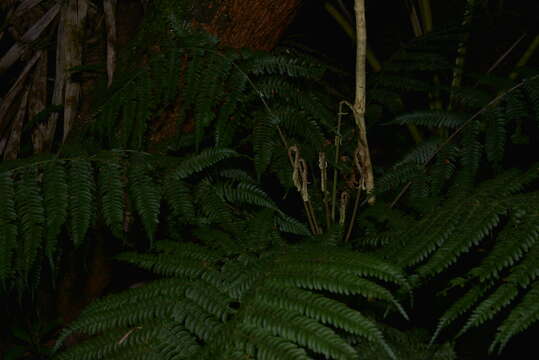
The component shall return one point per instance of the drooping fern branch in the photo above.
(46, 199)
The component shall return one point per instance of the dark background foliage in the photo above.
(182, 145)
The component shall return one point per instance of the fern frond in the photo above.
(478, 219)
(55, 197)
(263, 143)
(146, 194)
(461, 306)
(212, 204)
(247, 194)
(301, 330)
(491, 306)
(178, 196)
(410, 345)
(31, 214)
(421, 153)
(269, 346)
(522, 317)
(506, 251)
(471, 154)
(111, 192)
(8, 225)
(201, 161)
(81, 199)
(431, 118)
(290, 225)
(495, 136)
(209, 92)
(282, 65)
(239, 305)
(397, 176)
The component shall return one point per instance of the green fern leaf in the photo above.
(299, 329)
(471, 154)
(145, 193)
(462, 305)
(8, 225)
(30, 211)
(111, 191)
(247, 194)
(431, 118)
(290, 225)
(55, 193)
(81, 199)
(263, 144)
(491, 306)
(495, 137)
(522, 317)
(202, 161)
(179, 197)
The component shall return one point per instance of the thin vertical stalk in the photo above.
(359, 102)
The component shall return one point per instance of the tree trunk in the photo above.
(254, 24)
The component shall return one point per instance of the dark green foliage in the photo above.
(145, 193)
(242, 278)
(44, 198)
(8, 223)
(31, 216)
(218, 88)
(111, 186)
(81, 198)
(264, 305)
(465, 221)
(410, 345)
(432, 119)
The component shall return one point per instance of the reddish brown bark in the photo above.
(255, 24)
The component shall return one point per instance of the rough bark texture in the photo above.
(255, 24)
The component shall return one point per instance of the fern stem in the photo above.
(360, 186)
(426, 15)
(340, 114)
(313, 216)
(360, 99)
(354, 214)
(526, 56)
(323, 165)
(504, 55)
(461, 53)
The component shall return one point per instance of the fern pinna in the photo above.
(221, 301)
